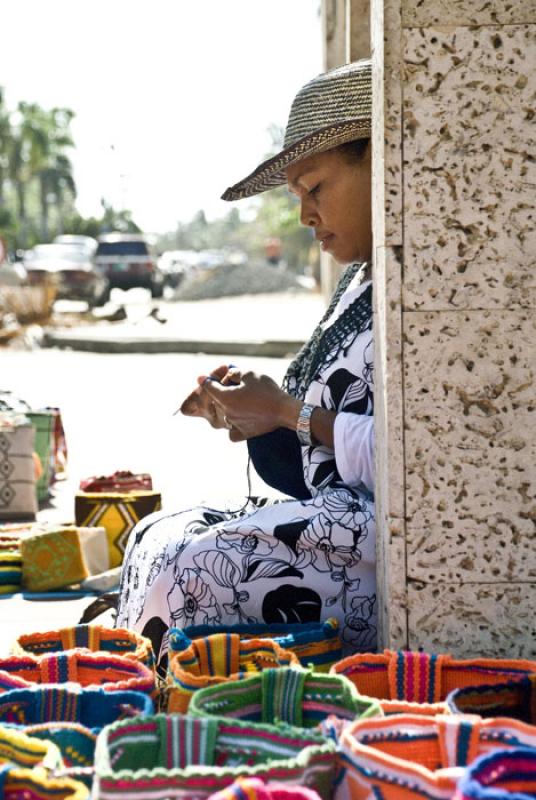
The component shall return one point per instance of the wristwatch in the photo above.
(303, 426)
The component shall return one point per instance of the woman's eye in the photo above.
(314, 190)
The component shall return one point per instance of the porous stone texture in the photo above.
(470, 445)
(469, 167)
(471, 620)
(455, 249)
(390, 499)
(425, 14)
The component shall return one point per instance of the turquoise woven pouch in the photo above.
(175, 756)
(296, 696)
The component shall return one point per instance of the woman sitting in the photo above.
(311, 556)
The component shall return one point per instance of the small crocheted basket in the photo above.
(113, 673)
(516, 699)
(424, 678)
(32, 784)
(317, 644)
(97, 638)
(503, 775)
(91, 708)
(217, 659)
(10, 570)
(296, 696)
(255, 789)
(22, 750)
(412, 757)
(178, 756)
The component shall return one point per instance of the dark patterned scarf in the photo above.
(323, 347)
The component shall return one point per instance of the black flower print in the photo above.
(331, 546)
(191, 601)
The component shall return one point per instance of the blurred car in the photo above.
(70, 269)
(128, 261)
(86, 243)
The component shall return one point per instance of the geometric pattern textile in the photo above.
(52, 559)
(255, 789)
(503, 775)
(118, 513)
(17, 473)
(34, 784)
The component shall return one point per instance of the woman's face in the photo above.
(335, 197)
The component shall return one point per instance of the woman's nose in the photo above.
(308, 215)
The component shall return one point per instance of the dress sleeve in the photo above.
(354, 449)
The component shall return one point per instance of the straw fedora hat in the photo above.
(333, 108)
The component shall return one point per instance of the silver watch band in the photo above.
(303, 426)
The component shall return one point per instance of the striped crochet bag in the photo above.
(97, 638)
(31, 784)
(424, 678)
(69, 717)
(315, 643)
(21, 750)
(255, 789)
(217, 659)
(10, 570)
(176, 756)
(296, 696)
(409, 757)
(113, 673)
(503, 775)
(516, 699)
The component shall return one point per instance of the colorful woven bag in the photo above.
(296, 696)
(503, 775)
(52, 558)
(516, 699)
(21, 750)
(315, 643)
(255, 789)
(176, 756)
(32, 784)
(89, 670)
(118, 513)
(69, 717)
(217, 659)
(97, 638)
(424, 678)
(409, 757)
(44, 425)
(10, 570)
(18, 498)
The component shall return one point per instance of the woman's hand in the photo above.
(255, 406)
(200, 404)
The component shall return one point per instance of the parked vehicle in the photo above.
(128, 261)
(86, 243)
(70, 269)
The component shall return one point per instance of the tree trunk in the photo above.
(23, 222)
(43, 195)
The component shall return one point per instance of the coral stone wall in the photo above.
(455, 252)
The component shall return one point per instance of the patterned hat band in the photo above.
(332, 109)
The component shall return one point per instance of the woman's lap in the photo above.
(290, 561)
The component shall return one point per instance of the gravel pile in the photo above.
(235, 279)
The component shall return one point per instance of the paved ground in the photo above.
(118, 414)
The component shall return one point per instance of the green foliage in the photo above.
(37, 186)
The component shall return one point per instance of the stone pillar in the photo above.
(454, 181)
(346, 37)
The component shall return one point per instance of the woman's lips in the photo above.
(325, 241)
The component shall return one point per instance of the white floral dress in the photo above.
(274, 561)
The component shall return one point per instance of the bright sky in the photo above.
(173, 98)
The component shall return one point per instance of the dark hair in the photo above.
(353, 151)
